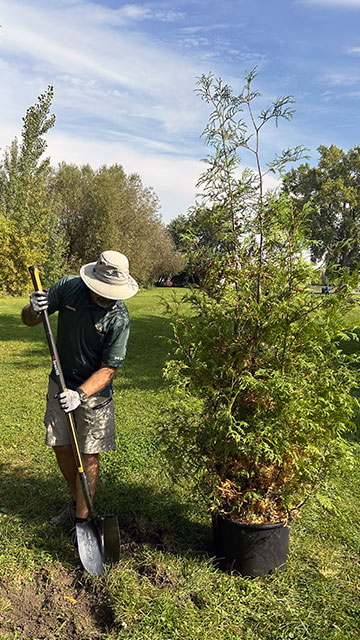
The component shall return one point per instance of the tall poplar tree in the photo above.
(28, 231)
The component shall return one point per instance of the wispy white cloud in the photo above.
(193, 29)
(124, 77)
(132, 13)
(340, 4)
(120, 94)
(207, 28)
(353, 51)
(174, 180)
(345, 78)
(77, 41)
(137, 12)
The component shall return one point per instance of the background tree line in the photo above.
(331, 192)
(60, 218)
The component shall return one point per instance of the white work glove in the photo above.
(69, 400)
(39, 301)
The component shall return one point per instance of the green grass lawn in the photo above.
(165, 586)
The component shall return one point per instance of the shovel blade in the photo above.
(98, 543)
(111, 540)
(90, 541)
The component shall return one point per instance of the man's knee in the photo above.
(63, 451)
(62, 448)
(91, 460)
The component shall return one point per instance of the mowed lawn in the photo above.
(166, 585)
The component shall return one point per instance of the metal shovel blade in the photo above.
(98, 543)
(90, 541)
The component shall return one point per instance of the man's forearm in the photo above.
(29, 316)
(100, 379)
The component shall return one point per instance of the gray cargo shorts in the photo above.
(95, 424)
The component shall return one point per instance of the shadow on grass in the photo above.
(147, 352)
(29, 342)
(155, 516)
(146, 355)
(12, 328)
(146, 516)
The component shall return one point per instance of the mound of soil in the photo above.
(55, 604)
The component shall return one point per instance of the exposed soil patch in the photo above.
(55, 604)
(63, 604)
(143, 531)
(158, 576)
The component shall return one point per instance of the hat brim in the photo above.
(110, 291)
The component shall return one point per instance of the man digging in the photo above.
(92, 335)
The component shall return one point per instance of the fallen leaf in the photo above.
(70, 599)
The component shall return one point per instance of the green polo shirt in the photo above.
(87, 334)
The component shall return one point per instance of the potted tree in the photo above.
(261, 391)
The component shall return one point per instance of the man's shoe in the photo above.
(67, 515)
(73, 536)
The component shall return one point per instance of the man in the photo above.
(93, 330)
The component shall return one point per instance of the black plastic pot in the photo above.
(252, 549)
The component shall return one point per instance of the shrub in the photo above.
(262, 393)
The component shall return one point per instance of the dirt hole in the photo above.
(55, 604)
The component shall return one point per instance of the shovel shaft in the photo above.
(34, 272)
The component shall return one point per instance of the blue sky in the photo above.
(124, 75)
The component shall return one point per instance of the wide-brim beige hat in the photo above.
(109, 277)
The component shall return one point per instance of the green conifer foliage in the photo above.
(262, 393)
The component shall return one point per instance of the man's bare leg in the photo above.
(66, 462)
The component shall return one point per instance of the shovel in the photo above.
(98, 539)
